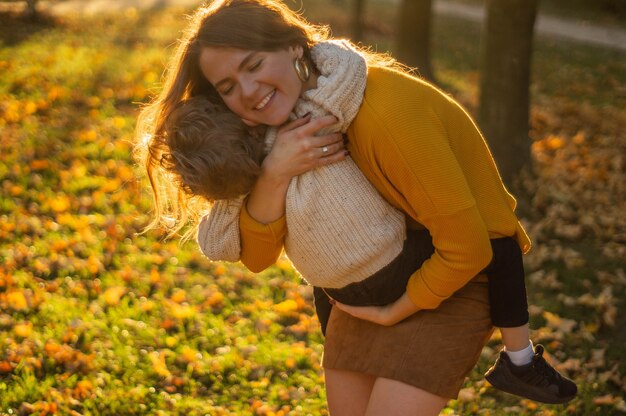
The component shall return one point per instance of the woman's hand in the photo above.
(382, 315)
(297, 149)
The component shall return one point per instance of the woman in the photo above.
(417, 147)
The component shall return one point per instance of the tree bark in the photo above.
(505, 83)
(358, 12)
(413, 36)
(31, 9)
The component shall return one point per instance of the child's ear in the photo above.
(249, 123)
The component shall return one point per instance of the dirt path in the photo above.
(609, 37)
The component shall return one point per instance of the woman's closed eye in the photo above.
(226, 89)
(255, 65)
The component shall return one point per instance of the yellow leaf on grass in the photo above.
(88, 135)
(83, 389)
(17, 301)
(155, 277)
(94, 265)
(286, 306)
(111, 185)
(179, 296)
(12, 111)
(171, 341)
(216, 298)
(60, 203)
(30, 107)
(119, 122)
(147, 305)
(182, 311)
(56, 92)
(158, 364)
(219, 270)
(190, 355)
(559, 324)
(113, 294)
(23, 330)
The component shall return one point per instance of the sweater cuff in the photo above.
(273, 232)
(421, 295)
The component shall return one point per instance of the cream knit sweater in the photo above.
(340, 229)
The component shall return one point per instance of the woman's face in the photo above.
(260, 87)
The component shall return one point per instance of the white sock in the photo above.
(521, 357)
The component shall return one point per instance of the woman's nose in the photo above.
(248, 88)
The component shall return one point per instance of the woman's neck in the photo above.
(311, 83)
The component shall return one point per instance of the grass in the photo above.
(97, 319)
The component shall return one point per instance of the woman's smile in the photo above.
(264, 102)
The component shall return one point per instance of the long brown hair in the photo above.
(263, 25)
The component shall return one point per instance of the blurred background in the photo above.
(98, 318)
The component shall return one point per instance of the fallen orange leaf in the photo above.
(5, 367)
(607, 399)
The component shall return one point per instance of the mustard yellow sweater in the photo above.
(425, 155)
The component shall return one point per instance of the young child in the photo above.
(216, 156)
(211, 152)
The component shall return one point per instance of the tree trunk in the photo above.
(31, 9)
(358, 11)
(413, 36)
(505, 83)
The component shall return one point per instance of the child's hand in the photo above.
(297, 149)
(382, 315)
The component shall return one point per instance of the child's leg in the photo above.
(515, 339)
(507, 296)
(520, 368)
(517, 344)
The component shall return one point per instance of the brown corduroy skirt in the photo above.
(433, 350)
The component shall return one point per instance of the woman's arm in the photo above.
(382, 315)
(296, 150)
(403, 131)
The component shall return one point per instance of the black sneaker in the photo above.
(535, 381)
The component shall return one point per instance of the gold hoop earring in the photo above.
(302, 69)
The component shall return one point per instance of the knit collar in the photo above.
(340, 86)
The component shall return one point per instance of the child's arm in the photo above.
(228, 227)
(218, 231)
